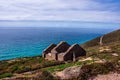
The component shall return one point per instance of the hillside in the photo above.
(100, 61)
(107, 38)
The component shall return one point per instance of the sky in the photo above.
(103, 11)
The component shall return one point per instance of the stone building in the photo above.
(63, 52)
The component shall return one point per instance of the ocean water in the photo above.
(24, 42)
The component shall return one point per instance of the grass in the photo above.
(63, 66)
(107, 55)
(97, 68)
(6, 75)
(22, 65)
(108, 38)
(25, 64)
(58, 68)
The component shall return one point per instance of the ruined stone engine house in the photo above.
(63, 52)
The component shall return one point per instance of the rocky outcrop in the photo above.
(69, 73)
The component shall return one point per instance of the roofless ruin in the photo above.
(63, 52)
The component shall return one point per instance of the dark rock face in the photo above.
(63, 52)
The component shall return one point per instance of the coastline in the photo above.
(100, 60)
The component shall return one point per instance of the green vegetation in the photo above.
(46, 76)
(5, 75)
(63, 66)
(106, 55)
(25, 64)
(97, 68)
(108, 38)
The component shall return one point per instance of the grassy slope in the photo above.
(108, 38)
(21, 65)
(94, 53)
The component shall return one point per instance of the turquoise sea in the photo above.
(23, 41)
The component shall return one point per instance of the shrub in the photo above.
(14, 68)
(50, 63)
(46, 76)
(97, 68)
(5, 75)
(23, 69)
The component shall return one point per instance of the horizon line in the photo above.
(60, 21)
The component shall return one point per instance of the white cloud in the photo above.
(78, 10)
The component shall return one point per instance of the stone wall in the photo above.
(61, 57)
(75, 50)
(48, 50)
(63, 52)
(50, 56)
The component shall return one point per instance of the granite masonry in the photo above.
(63, 52)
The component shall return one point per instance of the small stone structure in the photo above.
(63, 52)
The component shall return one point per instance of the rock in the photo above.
(104, 49)
(115, 54)
(68, 73)
(89, 58)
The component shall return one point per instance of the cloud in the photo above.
(66, 10)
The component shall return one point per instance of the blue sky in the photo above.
(103, 11)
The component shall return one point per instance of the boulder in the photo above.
(69, 73)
